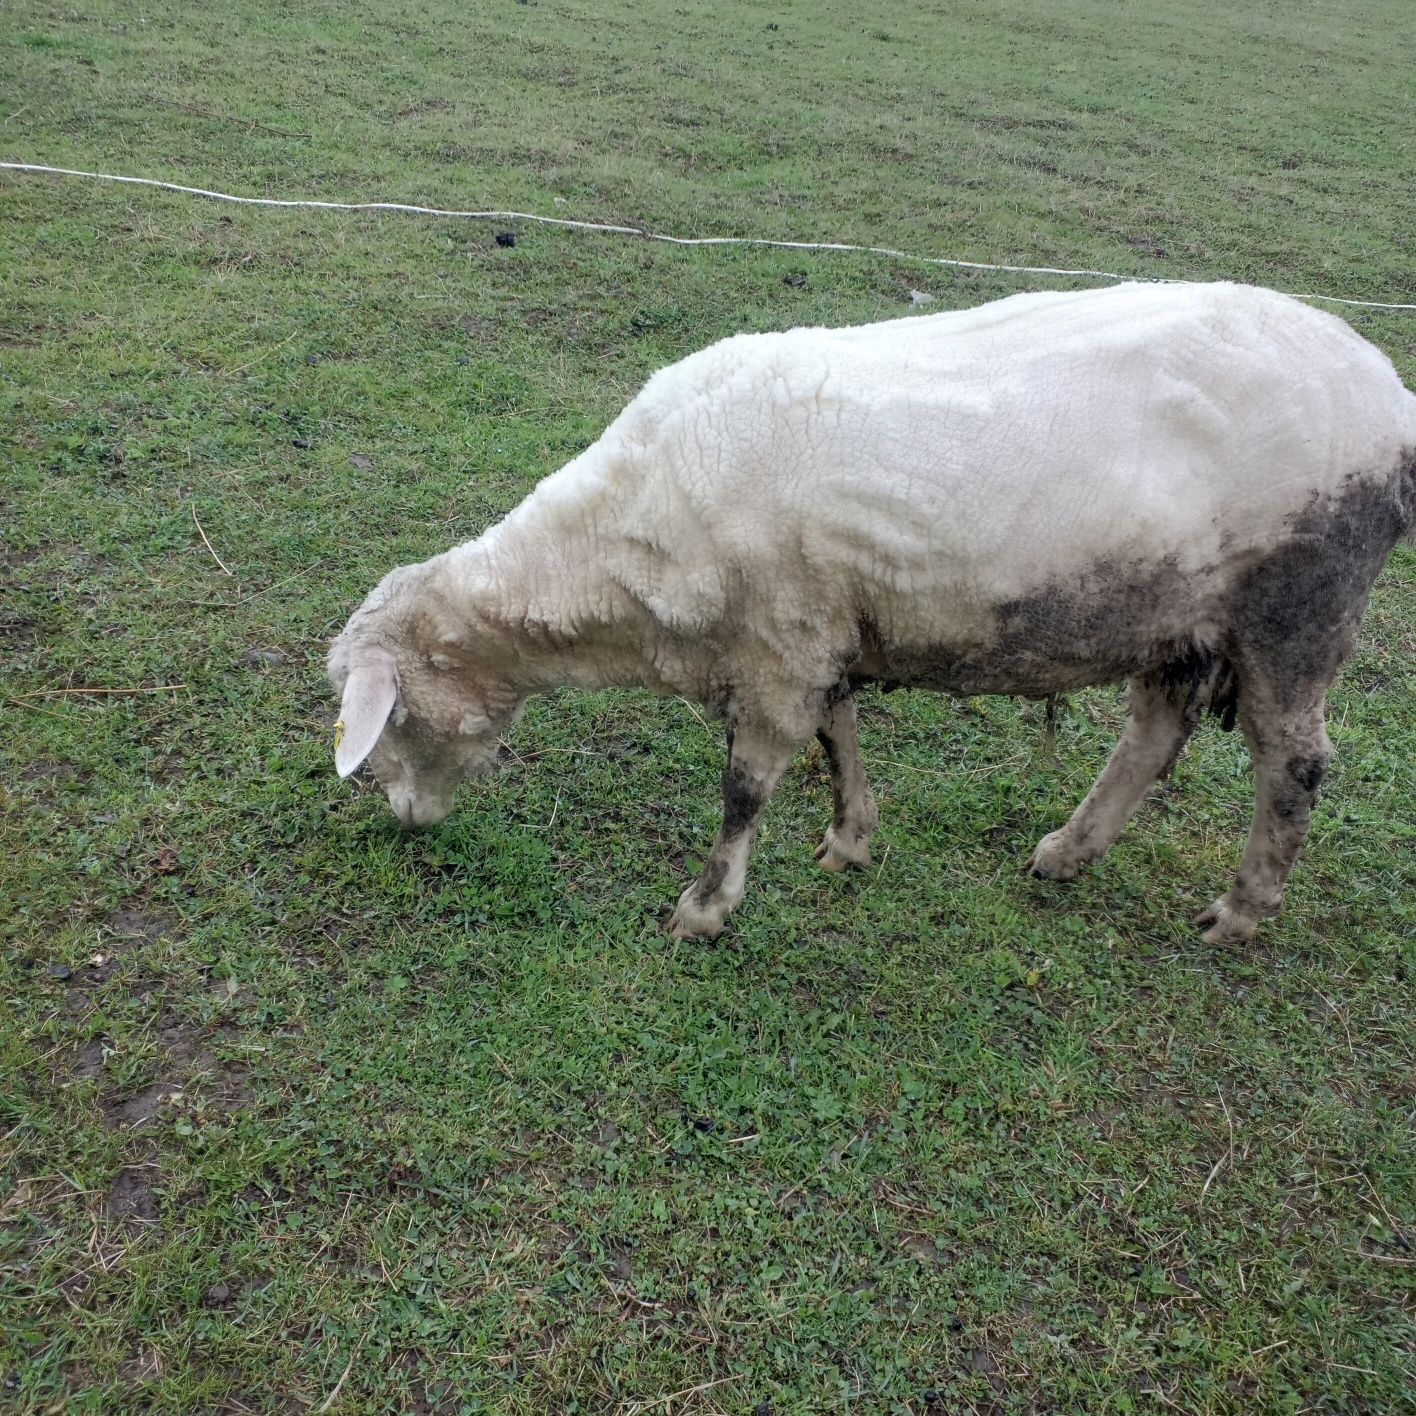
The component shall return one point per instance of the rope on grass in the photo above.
(410, 209)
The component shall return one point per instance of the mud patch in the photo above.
(187, 1075)
(17, 631)
(742, 799)
(1114, 621)
(982, 1361)
(436, 1398)
(11, 559)
(220, 1297)
(604, 1135)
(130, 1198)
(170, 768)
(88, 1064)
(1201, 682)
(551, 1337)
(183, 1046)
(923, 1248)
(1147, 245)
(132, 925)
(1299, 607)
(42, 771)
(125, 932)
(42, 782)
(140, 1109)
(1016, 824)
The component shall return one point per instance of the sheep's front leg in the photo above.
(847, 840)
(756, 761)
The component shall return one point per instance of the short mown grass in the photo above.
(303, 1113)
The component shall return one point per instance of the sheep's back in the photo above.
(965, 459)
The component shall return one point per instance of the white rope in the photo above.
(409, 209)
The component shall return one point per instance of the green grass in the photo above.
(447, 1118)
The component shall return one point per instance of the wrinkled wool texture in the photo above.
(776, 490)
(763, 498)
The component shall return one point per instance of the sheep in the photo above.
(1191, 487)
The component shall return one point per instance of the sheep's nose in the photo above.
(404, 807)
(413, 811)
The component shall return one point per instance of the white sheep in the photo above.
(1192, 487)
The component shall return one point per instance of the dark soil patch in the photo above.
(88, 1065)
(42, 781)
(1148, 245)
(17, 631)
(126, 930)
(551, 1337)
(981, 1360)
(187, 1070)
(130, 1197)
(134, 926)
(169, 768)
(1009, 828)
(183, 1046)
(139, 1109)
(13, 560)
(923, 1248)
(41, 771)
(604, 1135)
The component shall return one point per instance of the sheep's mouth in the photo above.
(414, 812)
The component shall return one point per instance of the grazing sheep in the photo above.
(1192, 487)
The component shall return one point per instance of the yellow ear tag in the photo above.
(338, 734)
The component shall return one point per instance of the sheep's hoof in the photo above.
(1053, 859)
(692, 920)
(837, 853)
(1223, 924)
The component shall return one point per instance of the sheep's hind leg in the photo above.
(1156, 729)
(1290, 750)
(756, 761)
(854, 818)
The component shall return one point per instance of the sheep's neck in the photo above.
(558, 616)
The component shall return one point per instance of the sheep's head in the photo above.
(415, 705)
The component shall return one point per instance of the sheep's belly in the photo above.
(967, 671)
(1102, 628)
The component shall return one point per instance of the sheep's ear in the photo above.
(369, 696)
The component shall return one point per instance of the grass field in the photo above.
(298, 1112)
